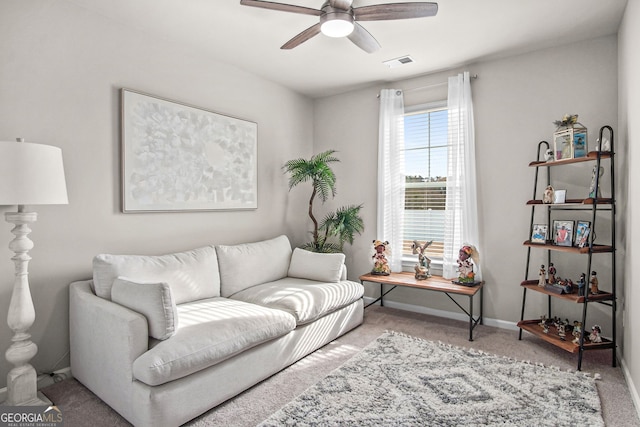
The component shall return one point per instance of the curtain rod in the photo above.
(473, 77)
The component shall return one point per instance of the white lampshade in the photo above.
(31, 174)
(336, 24)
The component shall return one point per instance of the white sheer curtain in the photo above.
(391, 174)
(461, 220)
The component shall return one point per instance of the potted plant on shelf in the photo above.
(337, 227)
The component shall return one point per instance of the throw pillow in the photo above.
(250, 264)
(192, 275)
(153, 300)
(316, 266)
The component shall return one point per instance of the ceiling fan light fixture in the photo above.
(336, 24)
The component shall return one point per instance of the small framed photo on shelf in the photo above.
(580, 144)
(559, 196)
(539, 233)
(563, 233)
(583, 229)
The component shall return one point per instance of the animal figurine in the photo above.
(424, 263)
(548, 155)
(380, 262)
(467, 257)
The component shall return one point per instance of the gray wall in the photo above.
(629, 124)
(516, 100)
(60, 73)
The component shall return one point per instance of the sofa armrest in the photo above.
(105, 339)
(343, 275)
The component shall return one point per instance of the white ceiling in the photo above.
(463, 31)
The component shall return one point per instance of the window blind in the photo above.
(426, 178)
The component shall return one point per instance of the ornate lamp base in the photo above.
(22, 381)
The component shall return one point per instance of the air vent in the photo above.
(403, 60)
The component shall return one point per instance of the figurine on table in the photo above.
(467, 257)
(380, 262)
(594, 336)
(424, 263)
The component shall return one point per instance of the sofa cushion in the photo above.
(153, 300)
(192, 275)
(316, 266)
(209, 332)
(249, 264)
(307, 300)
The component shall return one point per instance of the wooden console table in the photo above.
(434, 283)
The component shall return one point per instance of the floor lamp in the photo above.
(30, 174)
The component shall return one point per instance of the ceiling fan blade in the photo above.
(380, 12)
(281, 7)
(363, 39)
(340, 4)
(302, 37)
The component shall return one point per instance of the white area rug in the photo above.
(403, 381)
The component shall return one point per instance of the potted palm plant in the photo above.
(337, 227)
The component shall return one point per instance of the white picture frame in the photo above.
(176, 157)
(559, 196)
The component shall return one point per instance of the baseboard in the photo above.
(633, 391)
(497, 323)
(44, 380)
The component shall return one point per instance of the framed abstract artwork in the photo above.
(176, 157)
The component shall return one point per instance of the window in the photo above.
(425, 153)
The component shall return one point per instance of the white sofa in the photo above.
(163, 339)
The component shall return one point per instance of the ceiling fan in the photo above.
(338, 18)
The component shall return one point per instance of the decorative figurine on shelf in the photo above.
(561, 327)
(552, 274)
(424, 263)
(593, 281)
(594, 336)
(577, 331)
(582, 284)
(548, 195)
(548, 155)
(380, 262)
(592, 187)
(543, 320)
(545, 327)
(542, 277)
(604, 145)
(467, 257)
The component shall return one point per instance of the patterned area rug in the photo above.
(403, 381)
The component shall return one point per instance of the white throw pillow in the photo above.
(153, 300)
(316, 266)
(192, 275)
(250, 264)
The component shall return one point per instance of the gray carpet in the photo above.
(81, 408)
